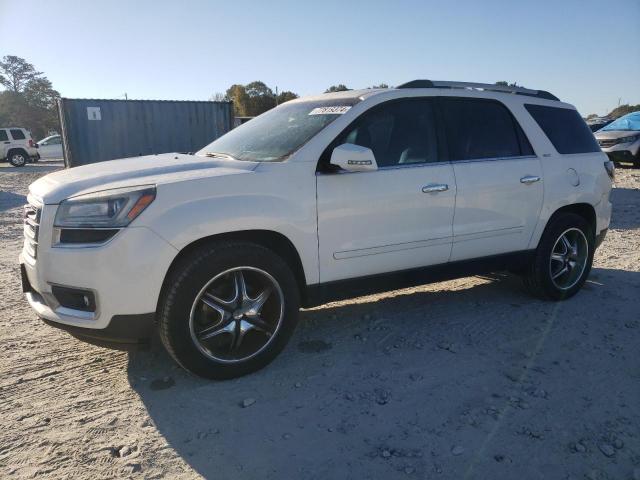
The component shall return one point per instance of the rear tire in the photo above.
(563, 259)
(18, 158)
(228, 309)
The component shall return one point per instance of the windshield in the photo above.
(276, 134)
(630, 121)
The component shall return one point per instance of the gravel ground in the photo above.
(469, 378)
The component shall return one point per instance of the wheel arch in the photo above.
(584, 210)
(17, 149)
(274, 241)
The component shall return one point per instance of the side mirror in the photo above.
(353, 158)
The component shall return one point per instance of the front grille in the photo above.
(607, 142)
(32, 215)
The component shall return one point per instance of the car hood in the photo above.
(129, 172)
(613, 134)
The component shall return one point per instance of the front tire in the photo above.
(228, 309)
(18, 158)
(563, 259)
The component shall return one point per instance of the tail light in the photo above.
(610, 168)
(31, 142)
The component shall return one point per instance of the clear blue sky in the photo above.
(587, 52)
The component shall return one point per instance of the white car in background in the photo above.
(50, 147)
(17, 147)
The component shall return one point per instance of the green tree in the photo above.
(40, 93)
(16, 73)
(29, 100)
(238, 95)
(286, 96)
(506, 84)
(254, 98)
(337, 88)
(382, 85)
(260, 98)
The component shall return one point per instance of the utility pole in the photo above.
(125, 96)
(276, 95)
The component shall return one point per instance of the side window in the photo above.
(3, 136)
(55, 141)
(398, 132)
(479, 128)
(17, 134)
(564, 127)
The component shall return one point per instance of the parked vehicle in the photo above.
(597, 123)
(17, 146)
(319, 199)
(50, 147)
(620, 140)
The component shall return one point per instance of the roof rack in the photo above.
(478, 86)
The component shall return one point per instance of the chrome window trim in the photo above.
(413, 165)
(495, 159)
(391, 167)
(433, 164)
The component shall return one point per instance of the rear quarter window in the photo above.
(3, 136)
(564, 127)
(482, 128)
(17, 134)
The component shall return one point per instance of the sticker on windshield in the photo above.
(337, 110)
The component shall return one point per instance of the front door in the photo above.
(397, 217)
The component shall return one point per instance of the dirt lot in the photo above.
(463, 379)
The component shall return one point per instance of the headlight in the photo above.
(629, 139)
(108, 209)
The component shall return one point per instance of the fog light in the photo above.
(74, 298)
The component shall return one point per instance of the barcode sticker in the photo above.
(337, 110)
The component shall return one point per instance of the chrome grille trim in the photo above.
(608, 142)
(32, 217)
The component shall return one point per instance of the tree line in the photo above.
(256, 97)
(29, 99)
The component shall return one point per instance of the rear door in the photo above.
(498, 177)
(397, 217)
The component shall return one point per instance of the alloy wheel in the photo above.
(236, 314)
(18, 160)
(568, 258)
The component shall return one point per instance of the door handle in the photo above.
(529, 179)
(435, 188)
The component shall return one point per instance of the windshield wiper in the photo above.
(220, 155)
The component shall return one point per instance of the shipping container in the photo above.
(97, 130)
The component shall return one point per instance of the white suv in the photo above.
(17, 146)
(318, 199)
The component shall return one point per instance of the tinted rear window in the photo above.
(566, 130)
(17, 134)
(3, 136)
(481, 129)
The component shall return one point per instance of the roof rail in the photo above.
(478, 86)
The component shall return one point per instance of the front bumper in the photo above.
(125, 276)
(625, 152)
(123, 330)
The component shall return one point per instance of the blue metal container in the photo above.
(97, 130)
